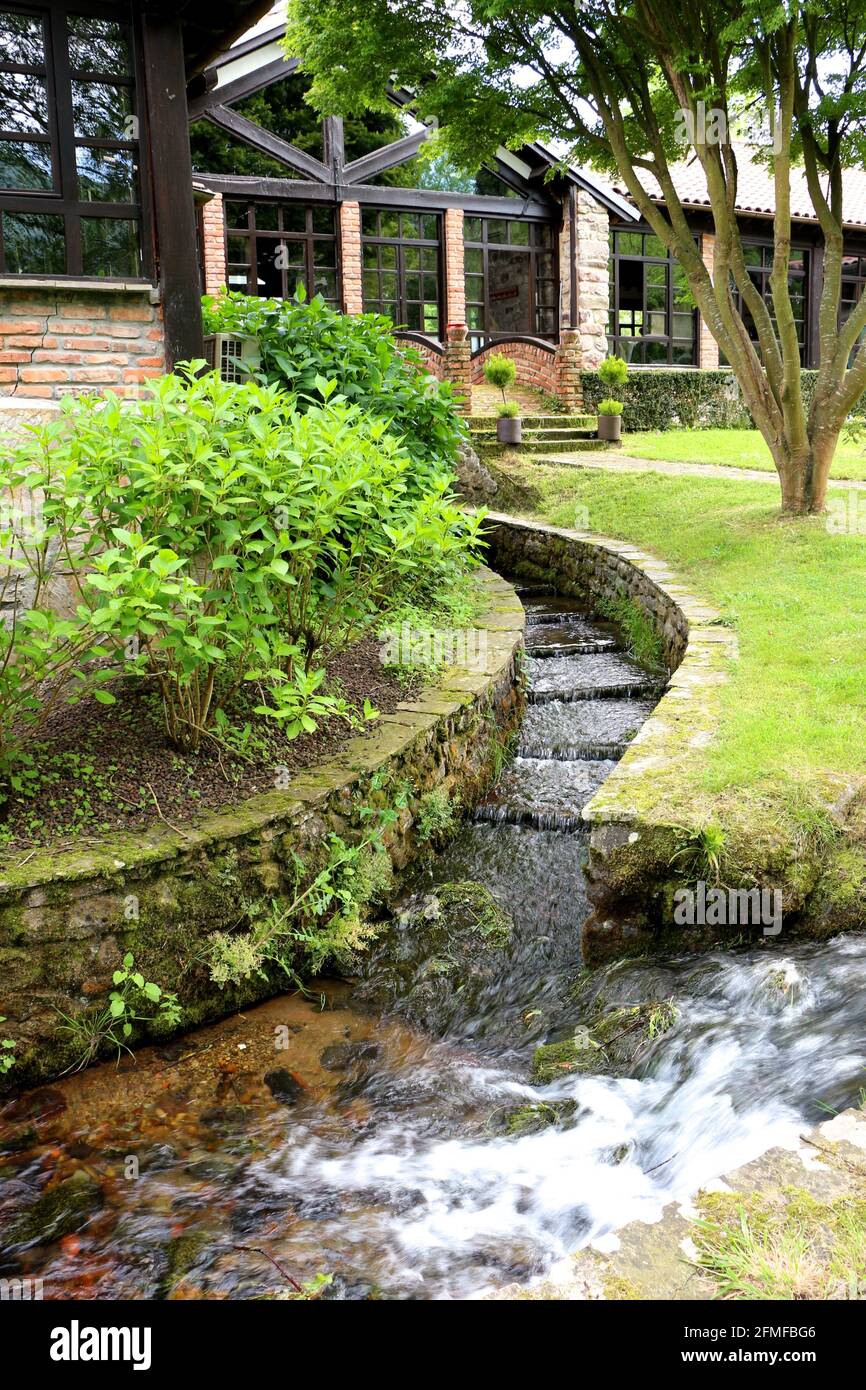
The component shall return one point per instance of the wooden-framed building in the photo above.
(99, 283)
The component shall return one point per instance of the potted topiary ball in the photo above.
(610, 420)
(500, 371)
(613, 373)
(509, 426)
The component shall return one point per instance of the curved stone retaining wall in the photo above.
(636, 818)
(68, 916)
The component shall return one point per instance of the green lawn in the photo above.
(731, 448)
(794, 715)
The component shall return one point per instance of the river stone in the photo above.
(440, 955)
(612, 1045)
(476, 482)
(283, 1086)
(59, 1211)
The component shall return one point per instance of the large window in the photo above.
(402, 274)
(651, 318)
(853, 286)
(512, 279)
(759, 259)
(272, 248)
(70, 202)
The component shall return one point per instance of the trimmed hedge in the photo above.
(661, 399)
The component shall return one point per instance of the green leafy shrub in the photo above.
(304, 345)
(661, 399)
(217, 536)
(613, 373)
(437, 815)
(7, 1047)
(500, 371)
(509, 410)
(609, 407)
(112, 1025)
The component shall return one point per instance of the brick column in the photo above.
(568, 360)
(708, 348)
(456, 337)
(350, 258)
(214, 244)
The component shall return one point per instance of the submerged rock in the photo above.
(284, 1087)
(443, 951)
(532, 1118)
(60, 1211)
(612, 1045)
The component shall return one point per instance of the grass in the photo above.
(731, 449)
(794, 713)
(784, 1246)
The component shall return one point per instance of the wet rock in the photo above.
(183, 1254)
(18, 1141)
(59, 1211)
(283, 1086)
(579, 1053)
(442, 953)
(225, 1119)
(612, 1045)
(341, 1056)
(35, 1105)
(533, 1118)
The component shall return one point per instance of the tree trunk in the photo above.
(803, 474)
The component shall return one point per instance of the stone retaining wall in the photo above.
(68, 916)
(634, 831)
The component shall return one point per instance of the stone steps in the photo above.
(529, 445)
(624, 690)
(536, 422)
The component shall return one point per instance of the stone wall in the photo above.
(592, 256)
(68, 916)
(56, 339)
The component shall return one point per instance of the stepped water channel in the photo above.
(313, 1135)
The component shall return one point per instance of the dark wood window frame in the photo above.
(64, 200)
(762, 273)
(537, 244)
(311, 239)
(619, 342)
(375, 246)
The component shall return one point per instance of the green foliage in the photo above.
(613, 372)
(509, 410)
(113, 1025)
(500, 371)
(326, 919)
(7, 1047)
(309, 348)
(438, 814)
(609, 407)
(217, 535)
(643, 639)
(662, 400)
(702, 853)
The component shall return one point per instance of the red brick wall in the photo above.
(536, 368)
(350, 251)
(214, 244)
(455, 281)
(53, 342)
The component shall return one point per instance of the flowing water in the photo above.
(307, 1136)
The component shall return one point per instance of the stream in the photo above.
(309, 1136)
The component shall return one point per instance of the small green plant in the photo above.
(613, 373)
(642, 639)
(113, 1024)
(7, 1047)
(437, 815)
(702, 852)
(501, 372)
(509, 410)
(661, 1019)
(609, 407)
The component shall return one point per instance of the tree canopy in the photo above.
(627, 86)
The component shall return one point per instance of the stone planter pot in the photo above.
(610, 427)
(509, 429)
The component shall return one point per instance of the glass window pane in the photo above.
(21, 40)
(388, 257)
(98, 45)
(371, 284)
(389, 284)
(519, 233)
(412, 258)
(413, 286)
(497, 229)
(267, 217)
(656, 274)
(34, 243)
(475, 287)
(430, 227)
(683, 355)
(237, 280)
(683, 325)
(474, 260)
(431, 318)
(429, 258)
(323, 221)
(23, 103)
(109, 246)
(389, 310)
(324, 253)
(371, 255)
(25, 165)
(475, 316)
(389, 224)
(369, 223)
(544, 264)
(413, 316)
(410, 225)
(542, 234)
(431, 287)
(629, 243)
(325, 283)
(655, 247)
(656, 324)
(102, 110)
(294, 217)
(293, 253)
(238, 250)
(752, 255)
(105, 176)
(472, 229)
(656, 297)
(236, 214)
(655, 352)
